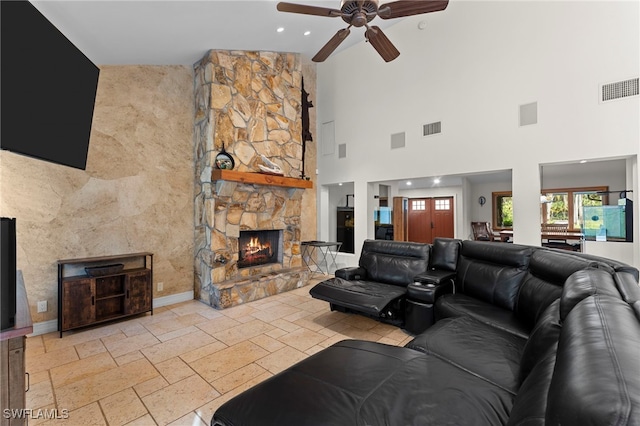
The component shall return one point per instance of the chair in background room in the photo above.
(482, 231)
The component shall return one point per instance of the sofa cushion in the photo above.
(369, 297)
(454, 305)
(548, 270)
(394, 262)
(492, 273)
(583, 284)
(595, 381)
(482, 350)
(357, 382)
(543, 337)
(444, 253)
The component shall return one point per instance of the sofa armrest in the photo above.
(351, 273)
(428, 291)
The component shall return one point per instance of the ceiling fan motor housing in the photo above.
(358, 13)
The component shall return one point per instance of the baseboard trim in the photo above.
(50, 326)
(173, 299)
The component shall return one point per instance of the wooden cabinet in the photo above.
(84, 300)
(13, 378)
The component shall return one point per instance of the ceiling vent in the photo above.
(432, 128)
(619, 90)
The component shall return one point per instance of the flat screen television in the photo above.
(7, 272)
(48, 89)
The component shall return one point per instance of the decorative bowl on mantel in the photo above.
(99, 271)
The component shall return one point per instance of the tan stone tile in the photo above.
(332, 340)
(130, 357)
(282, 359)
(39, 395)
(228, 360)
(361, 322)
(133, 328)
(267, 304)
(38, 377)
(174, 369)
(245, 319)
(274, 313)
(384, 329)
(285, 325)
(75, 337)
(388, 341)
(150, 386)
(178, 399)
(34, 345)
(313, 350)
(198, 353)
(267, 342)
(178, 346)
(48, 416)
(218, 324)
(48, 360)
(241, 332)
(130, 344)
(90, 348)
(314, 305)
(162, 327)
(192, 319)
(308, 323)
(302, 339)
(238, 378)
(398, 334)
(275, 333)
(177, 333)
(293, 299)
(358, 333)
(78, 370)
(190, 419)
(297, 315)
(122, 407)
(145, 420)
(325, 319)
(194, 307)
(157, 317)
(239, 311)
(90, 415)
(206, 411)
(94, 388)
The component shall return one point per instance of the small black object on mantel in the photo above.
(306, 133)
(224, 160)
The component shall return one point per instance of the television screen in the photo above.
(48, 89)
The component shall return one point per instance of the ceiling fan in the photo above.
(358, 13)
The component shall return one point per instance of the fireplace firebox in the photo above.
(259, 247)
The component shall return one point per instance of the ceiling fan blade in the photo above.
(331, 45)
(308, 10)
(401, 8)
(381, 43)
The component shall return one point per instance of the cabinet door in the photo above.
(139, 292)
(78, 302)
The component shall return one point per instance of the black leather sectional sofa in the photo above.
(514, 335)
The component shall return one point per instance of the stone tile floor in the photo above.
(177, 366)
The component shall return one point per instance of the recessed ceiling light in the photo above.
(340, 184)
(408, 183)
(436, 180)
(583, 161)
(307, 33)
(280, 29)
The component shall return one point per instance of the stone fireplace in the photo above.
(250, 104)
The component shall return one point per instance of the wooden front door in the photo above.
(430, 218)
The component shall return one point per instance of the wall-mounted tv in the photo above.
(48, 88)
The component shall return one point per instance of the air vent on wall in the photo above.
(397, 140)
(342, 150)
(432, 128)
(619, 90)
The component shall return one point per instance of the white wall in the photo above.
(471, 68)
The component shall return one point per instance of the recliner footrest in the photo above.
(365, 296)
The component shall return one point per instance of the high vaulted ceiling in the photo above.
(161, 32)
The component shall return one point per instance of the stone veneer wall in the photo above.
(136, 193)
(250, 103)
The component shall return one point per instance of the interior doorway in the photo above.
(429, 218)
